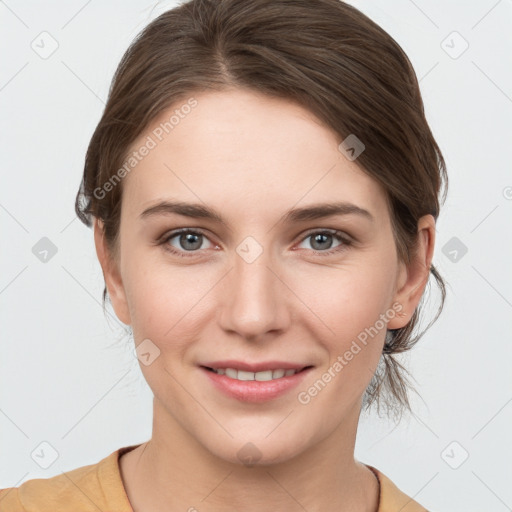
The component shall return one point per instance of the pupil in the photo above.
(189, 238)
(319, 237)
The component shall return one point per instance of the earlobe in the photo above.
(414, 276)
(111, 274)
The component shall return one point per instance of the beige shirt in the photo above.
(100, 487)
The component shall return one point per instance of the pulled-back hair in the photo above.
(326, 56)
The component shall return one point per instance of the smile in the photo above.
(265, 375)
(259, 386)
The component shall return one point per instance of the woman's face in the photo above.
(256, 283)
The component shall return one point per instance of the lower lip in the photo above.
(254, 390)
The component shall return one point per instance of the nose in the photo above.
(256, 299)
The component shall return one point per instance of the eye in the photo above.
(183, 241)
(187, 241)
(321, 241)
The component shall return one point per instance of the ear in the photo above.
(111, 274)
(413, 277)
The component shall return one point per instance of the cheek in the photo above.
(350, 304)
(350, 298)
(167, 302)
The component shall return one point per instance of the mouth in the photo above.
(254, 383)
(260, 376)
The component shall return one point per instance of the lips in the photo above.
(251, 389)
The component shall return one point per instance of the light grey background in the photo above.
(69, 378)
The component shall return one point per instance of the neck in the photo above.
(174, 472)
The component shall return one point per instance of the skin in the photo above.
(252, 158)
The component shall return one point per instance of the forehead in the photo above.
(244, 151)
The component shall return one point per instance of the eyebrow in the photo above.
(312, 212)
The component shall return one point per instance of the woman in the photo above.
(238, 138)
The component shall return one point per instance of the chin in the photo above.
(258, 451)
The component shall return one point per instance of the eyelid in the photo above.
(330, 231)
(345, 238)
(168, 235)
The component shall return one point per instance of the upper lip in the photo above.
(255, 367)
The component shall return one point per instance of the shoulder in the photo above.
(392, 498)
(88, 489)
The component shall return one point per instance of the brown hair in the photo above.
(323, 54)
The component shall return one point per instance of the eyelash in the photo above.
(342, 237)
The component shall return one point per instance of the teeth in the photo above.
(231, 373)
(266, 375)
